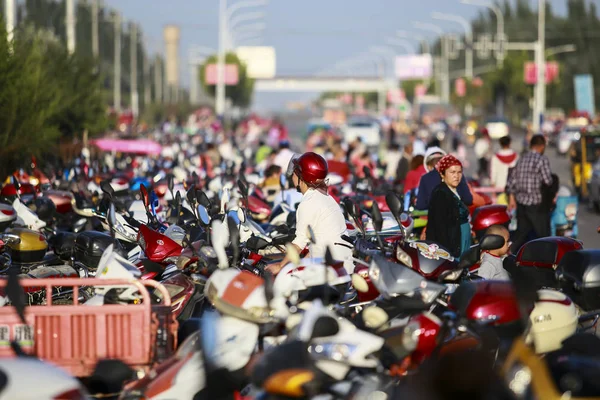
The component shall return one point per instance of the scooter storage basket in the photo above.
(538, 258)
(90, 245)
(579, 276)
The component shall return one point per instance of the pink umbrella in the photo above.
(141, 146)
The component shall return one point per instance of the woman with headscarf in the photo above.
(448, 220)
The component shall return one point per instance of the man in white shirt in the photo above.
(319, 211)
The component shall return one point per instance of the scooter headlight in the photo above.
(410, 335)
(403, 257)
(453, 276)
(340, 352)
(518, 380)
(374, 272)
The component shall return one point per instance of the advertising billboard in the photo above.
(414, 66)
(259, 60)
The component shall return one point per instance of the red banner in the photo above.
(531, 72)
(460, 87)
(231, 74)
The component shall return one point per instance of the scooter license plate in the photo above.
(568, 233)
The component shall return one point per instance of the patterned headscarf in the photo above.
(446, 162)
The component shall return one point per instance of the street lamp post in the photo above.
(468, 38)
(197, 55)
(421, 38)
(444, 77)
(225, 15)
(540, 62)
(499, 25)
(405, 44)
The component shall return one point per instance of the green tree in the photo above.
(45, 95)
(28, 99)
(240, 94)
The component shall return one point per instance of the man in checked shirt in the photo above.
(524, 188)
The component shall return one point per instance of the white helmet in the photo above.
(228, 342)
(429, 153)
(553, 319)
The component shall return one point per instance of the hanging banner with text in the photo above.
(584, 94)
(414, 67)
(231, 74)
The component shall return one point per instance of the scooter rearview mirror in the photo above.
(376, 217)
(111, 218)
(243, 188)
(145, 197)
(107, 189)
(203, 216)
(203, 199)
(349, 207)
(177, 205)
(190, 195)
(170, 183)
(395, 204)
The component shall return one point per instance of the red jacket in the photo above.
(413, 177)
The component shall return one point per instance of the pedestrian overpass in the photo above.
(329, 84)
(324, 84)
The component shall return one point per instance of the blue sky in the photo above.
(308, 35)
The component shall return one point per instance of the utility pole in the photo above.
(193, 81)
(133, 47)
(220, 90)
(117, 61)
(9, 15)
(95, 33)
(445, 71)
(70, 22)
(147, 91)
(158, 81)
(540, 63)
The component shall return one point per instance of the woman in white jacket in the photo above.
(505, 159)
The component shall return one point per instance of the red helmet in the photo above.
(311, 167)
